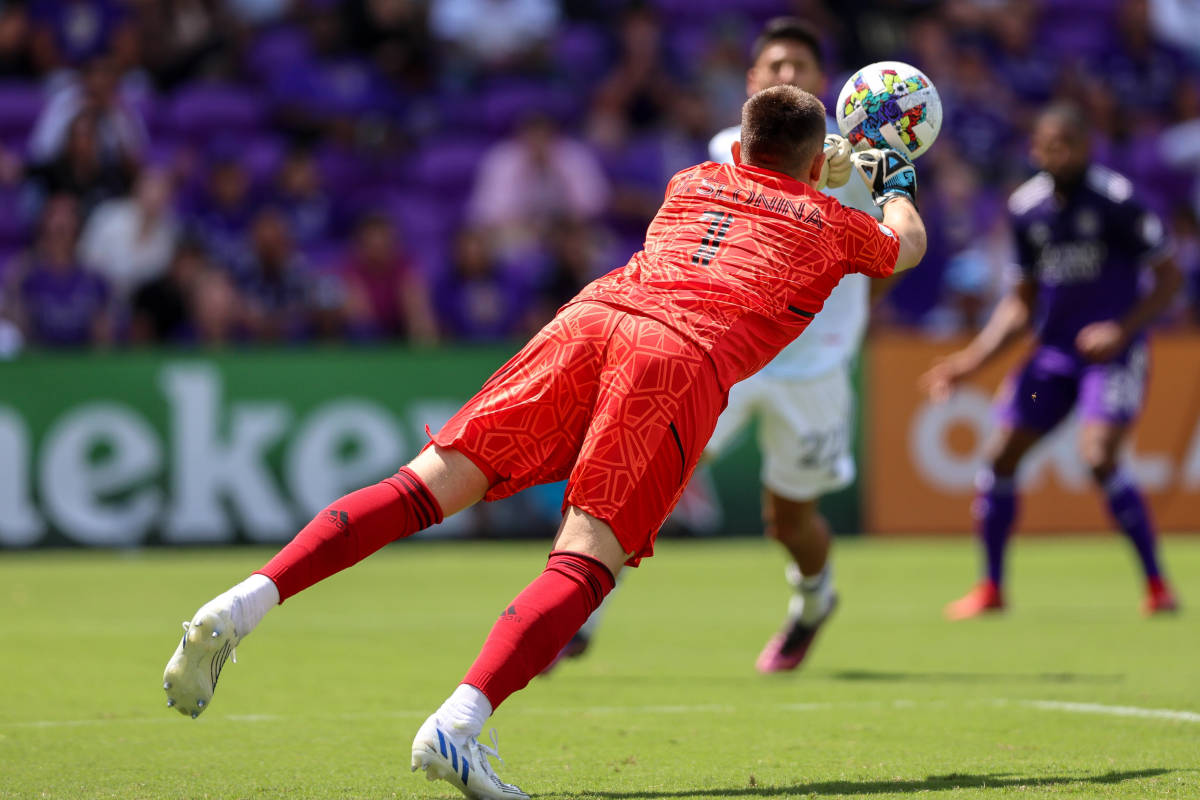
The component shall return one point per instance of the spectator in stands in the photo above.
(80, 170)
(638, 94)
(979, 119)
(526, 183)
(162, 309)
(494, 34)
(71, 32)
(217, 309)
(130, 241)
(182, 40)
(300, 194)
(477, 301)
(1178, 23)
(387, 297)
(52, 298)
(222, 214)
(1029, 70)
(119, 129)
(279, 289)
(393, 35)
(574, 259)
(16, 57)
(1140, 70)
(1179, 144)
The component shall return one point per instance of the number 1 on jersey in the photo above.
(719, 223)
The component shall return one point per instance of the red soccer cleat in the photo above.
(785, 650)
(985, 598)
(1159, 599)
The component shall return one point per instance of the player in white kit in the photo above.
(803, 399)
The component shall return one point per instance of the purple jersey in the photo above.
(61, 305)
(1085, 252)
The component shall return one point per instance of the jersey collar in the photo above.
(784, 181)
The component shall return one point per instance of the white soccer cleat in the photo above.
(191, 675)
(464, 765)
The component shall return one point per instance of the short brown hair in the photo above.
(788, 29)
(782, 128)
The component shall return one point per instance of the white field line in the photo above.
(1113, 711)
(899, 704)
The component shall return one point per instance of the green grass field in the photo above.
(1071, 694)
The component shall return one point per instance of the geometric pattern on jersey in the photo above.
(739, 259)
(619, 404)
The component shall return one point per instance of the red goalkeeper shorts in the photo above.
(620, 405)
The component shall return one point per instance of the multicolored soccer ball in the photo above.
(890, 104)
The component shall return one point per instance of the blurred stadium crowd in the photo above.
(205, 172)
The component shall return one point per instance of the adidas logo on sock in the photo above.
(510, 613)
(340, 519)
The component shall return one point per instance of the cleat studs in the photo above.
(200, 704)
(170, 703)
(215, 634)
(166, 684)
(195, 714)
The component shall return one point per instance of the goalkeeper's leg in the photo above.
(347, 531)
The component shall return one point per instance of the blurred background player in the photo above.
(620, 391)
(1082, 245)
(803, 399)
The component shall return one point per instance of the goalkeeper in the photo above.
(803, 399)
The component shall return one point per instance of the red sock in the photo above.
(351, 529)
(537, 624)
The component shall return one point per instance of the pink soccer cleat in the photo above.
(785, 650)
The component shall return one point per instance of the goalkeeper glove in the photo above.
(888, 174)
(837, 168)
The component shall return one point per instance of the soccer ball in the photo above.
(890, 104)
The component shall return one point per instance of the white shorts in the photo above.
(804, 432)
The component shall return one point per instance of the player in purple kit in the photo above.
(1082, 244)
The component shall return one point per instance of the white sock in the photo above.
(250, 601)
(464, 712)
(813, 595)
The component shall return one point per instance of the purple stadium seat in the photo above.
(13, 232)
(202, 111)
(449, 164)
(690, 45)
(20, 105)
(262, 155)
(582, 53)
(419, 219)
(341, 171)
(325, 255)
(163, 151)
(278, 51)
(504, 106)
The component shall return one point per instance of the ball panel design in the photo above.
(890, 104)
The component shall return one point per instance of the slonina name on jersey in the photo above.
(800, 211)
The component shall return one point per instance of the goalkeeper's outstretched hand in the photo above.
(837, 161)
(888, 174)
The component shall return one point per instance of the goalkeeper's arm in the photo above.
(901, 215)
(893, 183)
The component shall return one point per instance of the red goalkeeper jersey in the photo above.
(739, 259)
